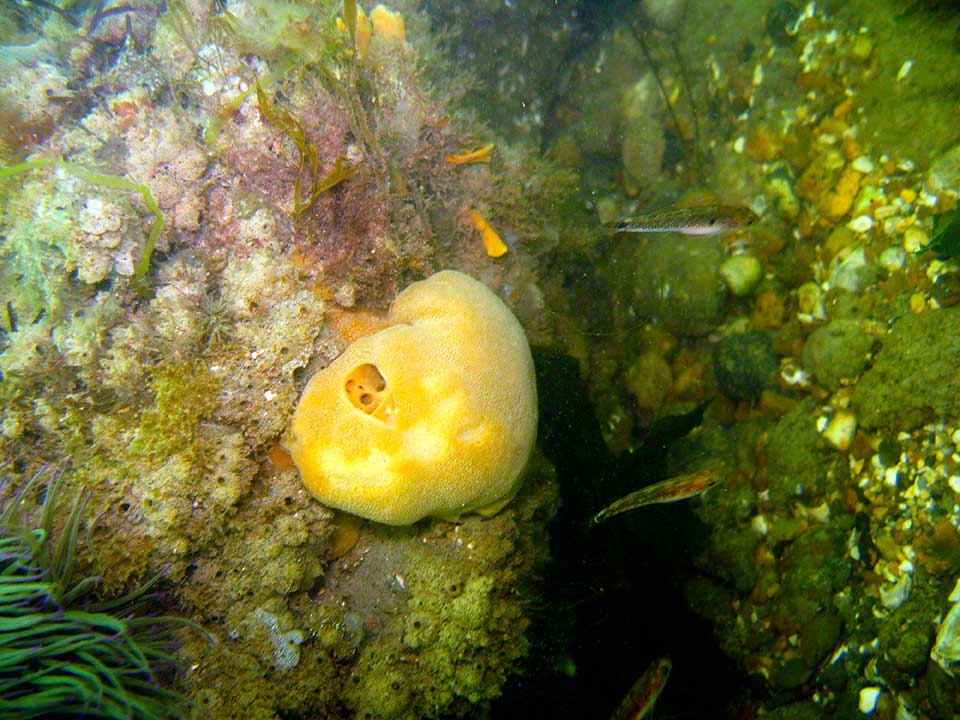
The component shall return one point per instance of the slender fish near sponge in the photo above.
(665, 491)
(698, 220)
(638, 703)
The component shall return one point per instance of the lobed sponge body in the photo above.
(435, 415)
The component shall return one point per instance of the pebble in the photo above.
(897, 595)
(840, 430)
(760, 525)
(886, 211)
(861, 224)
(915, 240)
(810, 301)
(665, 14)
(944, 172)
(946, 649)
(893, 258)
(917, 303)
(863, 164)
(852, 272)
(904, 70)
(868, 699)
(954, 483)
(742, 274)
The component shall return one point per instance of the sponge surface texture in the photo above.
(436, 415)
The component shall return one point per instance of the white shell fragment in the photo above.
(861, 224)
(946, 649)
(895, 596)
(841, 429)
(868, 699)
(904, 70)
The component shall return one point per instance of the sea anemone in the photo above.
(61, 653)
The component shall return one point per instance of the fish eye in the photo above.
(712, 221)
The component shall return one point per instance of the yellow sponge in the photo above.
(435, 415)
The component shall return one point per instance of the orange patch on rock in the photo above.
(346, 533)
(387, 24)
(352, 325)
(843, 109)
(837, 203)
(280, 458)
(769, 311)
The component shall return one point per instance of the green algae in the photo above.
(99, 179)
(745, 364)
(183, 397)
(799, 464)
(913, 379)
(837, 352)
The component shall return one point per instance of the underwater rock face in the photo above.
(643, 143)
(944, 172)
(433, 416)
(676, 280)
(745, 364)
(914, 377)
(838, 351)
(799, 464)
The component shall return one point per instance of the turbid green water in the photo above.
(204, 204)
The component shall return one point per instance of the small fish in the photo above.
(638, 703)
(699, 220)
(665, 491)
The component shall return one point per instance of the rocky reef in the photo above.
(202, 205)
(205, 204)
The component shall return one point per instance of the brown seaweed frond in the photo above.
(289, 125)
